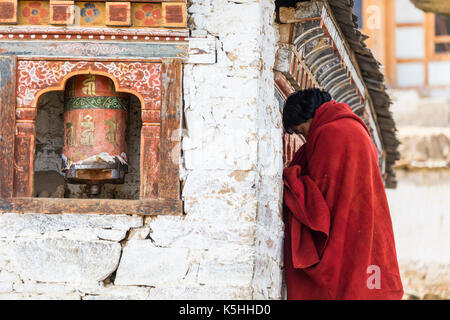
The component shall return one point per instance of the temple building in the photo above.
(141, 142)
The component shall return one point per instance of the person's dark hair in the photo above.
(301, 106)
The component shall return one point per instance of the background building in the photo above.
(414, 48)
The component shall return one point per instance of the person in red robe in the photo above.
(339, 242)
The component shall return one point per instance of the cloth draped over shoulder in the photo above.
(339, 241)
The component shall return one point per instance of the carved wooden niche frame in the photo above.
(156, 83)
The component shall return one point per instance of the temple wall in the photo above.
(228, 244)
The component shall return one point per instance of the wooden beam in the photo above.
(24, 150)
(286, 31)
(174, 14)
(100, 49)
(283, 85)
(26, 31)
(149, 161)
(171, 107)
(91, 206)
(7, 124)
(409, 25)
(288, 15)
(391, 54)
(138, 0)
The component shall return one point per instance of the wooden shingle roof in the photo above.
(373, 78)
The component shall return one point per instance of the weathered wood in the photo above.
(24, 147)
(171, 106)
(150, 141)
(286, 14)
(283, 85)
(137, 1)
(91, 206)
(436, 6)
(293, 15)
(7, 124)
(286, 32)
(50, 30)
(174, 14)
(8, 9)
(100, 49)
(283, 58)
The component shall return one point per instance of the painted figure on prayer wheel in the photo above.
(95, 119)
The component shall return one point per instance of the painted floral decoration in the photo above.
(89, 12)
(34, 12)
(149, 14)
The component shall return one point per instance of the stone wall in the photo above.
(228, 245)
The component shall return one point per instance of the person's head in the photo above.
(300, 108)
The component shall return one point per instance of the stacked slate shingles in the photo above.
(374, 80)
(372, 76)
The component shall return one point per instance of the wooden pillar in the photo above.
(160, 142)
(171, 106)
(7, 124)
(150, 139)
(150, 146)
(24, 158)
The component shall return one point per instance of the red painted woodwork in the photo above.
(142, 79)
(95, 119)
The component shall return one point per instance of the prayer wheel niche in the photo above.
(95, 117)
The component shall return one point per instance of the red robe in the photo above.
(338, 225)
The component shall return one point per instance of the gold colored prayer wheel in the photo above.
(95, 118)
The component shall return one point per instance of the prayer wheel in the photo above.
(95, 117)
